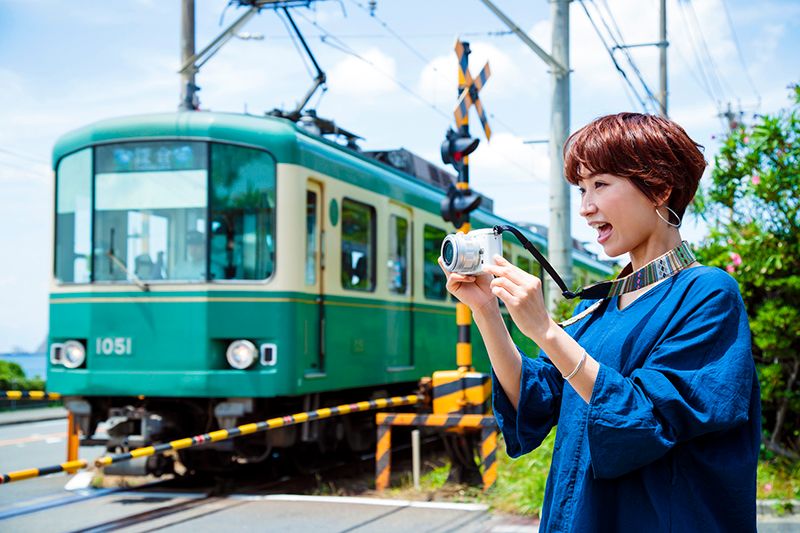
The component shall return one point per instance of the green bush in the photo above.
(12, 377)
(752, 208)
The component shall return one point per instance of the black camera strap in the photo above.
(660, 268)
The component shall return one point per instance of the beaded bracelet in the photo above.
(577, 368)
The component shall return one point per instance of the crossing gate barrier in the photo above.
(486, 424)
(29, 395)
(214, 436)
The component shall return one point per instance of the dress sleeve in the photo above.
(698, 379)
(540, 388)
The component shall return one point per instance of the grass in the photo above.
(778, 479)
(520, 484)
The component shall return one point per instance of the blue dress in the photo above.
(670, 438)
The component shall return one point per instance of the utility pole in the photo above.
(188, 88)
(662, 44)
(559, 235)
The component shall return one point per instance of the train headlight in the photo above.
(241, 354)
(73, 354)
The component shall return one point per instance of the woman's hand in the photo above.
(522, 294)
(473, 291)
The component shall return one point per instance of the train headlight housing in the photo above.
(73, 354)
(241, 354)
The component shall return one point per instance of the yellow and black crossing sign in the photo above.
(469, 88)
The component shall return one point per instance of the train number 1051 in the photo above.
(114, 346)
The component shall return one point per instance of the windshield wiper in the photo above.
(117, 261)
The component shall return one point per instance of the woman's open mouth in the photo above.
(604, 232)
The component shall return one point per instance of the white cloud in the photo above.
(438, 80)
(354, 77)
(514, 174)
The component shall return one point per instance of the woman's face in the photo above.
(622, 215)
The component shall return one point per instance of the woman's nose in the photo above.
(587, 206)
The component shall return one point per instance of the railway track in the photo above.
(176, 501)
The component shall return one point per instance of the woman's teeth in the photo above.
(604, 232)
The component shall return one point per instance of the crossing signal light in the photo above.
(458, 204)
(456, 147)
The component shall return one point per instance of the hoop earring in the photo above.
(678, 225)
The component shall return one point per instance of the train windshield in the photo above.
(165, 211)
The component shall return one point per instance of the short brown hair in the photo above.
(654, 153)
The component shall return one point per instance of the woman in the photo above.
(654, 388)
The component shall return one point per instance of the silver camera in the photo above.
(466, 253)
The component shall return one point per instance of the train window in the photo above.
(507, 251)
(358, 246)
(242, 232)
(311, 237)
(435, 280)
(74, 218)
(150, 211)
(524, 263)
(398, 254)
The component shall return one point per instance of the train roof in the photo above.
(288, 143)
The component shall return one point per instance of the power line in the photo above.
(716, 74)
(620, 44)
(739, 50)
(336, 43)
(392, 32)
(701, 67)
(611, 55)
(23, 156)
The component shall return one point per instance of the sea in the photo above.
(33, 364)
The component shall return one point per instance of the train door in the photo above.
(399, 323)
(314, 323)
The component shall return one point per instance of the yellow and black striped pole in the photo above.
(383, 456)
(463, 314)
(216, 436)
(385, 421)
(489, 456)
(29, 395)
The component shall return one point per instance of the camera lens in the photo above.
(447, 252)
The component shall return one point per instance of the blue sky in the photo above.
(66, 64)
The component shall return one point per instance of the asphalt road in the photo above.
(34, 445)
(42, 504)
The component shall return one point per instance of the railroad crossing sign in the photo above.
(469, 88)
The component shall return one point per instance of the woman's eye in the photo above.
(599, 184)
(581, 190)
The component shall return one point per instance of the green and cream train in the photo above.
(212, 269)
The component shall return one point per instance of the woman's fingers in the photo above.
(511, 287)
(505, 269)
(503, 294)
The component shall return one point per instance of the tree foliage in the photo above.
(752, 204)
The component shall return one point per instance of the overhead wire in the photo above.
(295, 44)
(23, 156)
(425, 59)
(620, 45)
(699, 63)
(619, 68)
(337, 43)
(739, 50)
(717, 76)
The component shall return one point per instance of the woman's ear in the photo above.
(663, 198)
